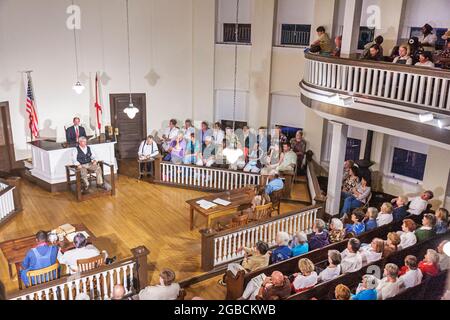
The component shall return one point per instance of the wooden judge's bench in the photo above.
(50, 159)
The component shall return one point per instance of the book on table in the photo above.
(205, 204)
(67, 228)
(222, 202)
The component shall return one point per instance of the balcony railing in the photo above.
(10, 202)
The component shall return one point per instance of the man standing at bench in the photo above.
(85, 160)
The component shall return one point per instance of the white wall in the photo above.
(287, 111)
(419, 12)
(293, 12)
(226, 13)
(224, 105)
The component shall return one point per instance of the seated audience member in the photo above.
(82, 250)
(275, 183)
(389, 286)
(148, 150)
(427, 230)
(385, 215)
(299, 244)
(208, 158)
(342, 292)
(351, 257)
(333, 270)
(188, 129)
(391, 244)
(372, 252)
(374, 53)
(323, 42)
(307, 278)
(407, 236)
(286, 162)
(410, 274)
(358, 198)
(428, 39)
(275, 287)
(86, 161)
(400, 211)
(404, 57)
(169, 134)
(425, 60)
(441, 221)
(253, 165)
(348, 164)
(167, 289)
(367, 288)
(430, 264)
(443, 58)
(176, 150)
(39, 257)
(298, 145)
(282, 252)
(350, 180)
(418, 204)
(444, 260)
(319, 238)
(394, 53)
(357, 227)
(218, 134)
(193, 153)
(118, 292)
(338, 46)
(371, 220)
(377, 41)
(336, 232)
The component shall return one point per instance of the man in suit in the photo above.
(74, 132)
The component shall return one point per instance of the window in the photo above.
(439, 32)
(353, 149)
(229, 123)
(244, 33)
(366, 35)
(295, 34)
(289, 132)
(409, 163)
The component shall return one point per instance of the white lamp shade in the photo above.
(131, 111)
(78, 87)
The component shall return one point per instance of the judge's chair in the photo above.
(73, 176)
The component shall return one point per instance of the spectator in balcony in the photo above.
(443, 58)
(444, 260)
(400, 211)
(298, 145)
(371, 219)
(323, 42)
(430, 264)
(319, 238)
(385, 216)
(407, 236)
(167, 289)
(359, 197)
(336, 232)
(338, 46)
(394, 53)
(425, 60)
(389, 286)
(404, 57)
(427, 230)
(428, 39)
(418, 204)
(333, 270)
(357, 226)
(441, 221)
(307, 278)
(350, 182)
(391, 244)
(366, 289)
(282, 252)
(410, 274)
(373, 53)
(380, 52)
(372, 252)
(299, 244)
(342, 292)
(351, 257)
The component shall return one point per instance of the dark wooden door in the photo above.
(131, 131)
(6, 143)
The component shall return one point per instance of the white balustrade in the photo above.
(6, 201)
(226, 246)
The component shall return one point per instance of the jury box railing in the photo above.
(219, 248)
(98, 283)
(427, 88)
(10, 202)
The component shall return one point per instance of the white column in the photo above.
(338, 147)
(350, 33)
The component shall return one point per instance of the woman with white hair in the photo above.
(334, 266)
(366, 289)
(337, 232)
(282, 252)
(299, 244)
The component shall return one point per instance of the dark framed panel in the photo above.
(244, 33)
(229, 123)
(408, 163)
(295, 34)
(366, 35)
(353, 149)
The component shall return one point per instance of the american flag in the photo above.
(31, 109)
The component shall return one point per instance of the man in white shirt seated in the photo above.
(148, 150)
(85, 160)
(428, 39)
(166, 290)
(419, 204)
(410, 275)
(82, 251)
(286, 163)
(169, 134)
(188, 129)
(351, 257)
(389, 286)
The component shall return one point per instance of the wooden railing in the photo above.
(10, 201)
(219, 248)
(98, 283)
(208, 179)
(419, 87)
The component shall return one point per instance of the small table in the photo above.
(240, 199)
(16, 250)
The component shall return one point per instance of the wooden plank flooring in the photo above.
(140, 214)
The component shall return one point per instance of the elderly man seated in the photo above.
(286, 163)
(418, 204)
(148, 151)
(208, 158)
(167, 289)
(275, 183)
(262, 287)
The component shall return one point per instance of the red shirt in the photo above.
(428, 268)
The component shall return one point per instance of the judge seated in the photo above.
(85, 160)
(148, 150)
(74, 132)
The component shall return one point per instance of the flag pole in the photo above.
(28, 73)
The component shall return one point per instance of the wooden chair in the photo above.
(275, 198)
(144, 171)
(73, 171)
(239, 221)
(263, 212)
(36, 277)
(181, 294)
(90, 263)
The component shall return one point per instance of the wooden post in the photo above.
(15, 182)
(113, 180)
(207, 249)
(140, 254)
(157, 169)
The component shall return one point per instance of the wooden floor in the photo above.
(140, 214)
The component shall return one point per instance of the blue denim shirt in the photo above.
(274, 185)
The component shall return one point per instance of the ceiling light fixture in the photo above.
(78, 87)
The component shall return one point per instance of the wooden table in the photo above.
(240, 199)
(16, 250)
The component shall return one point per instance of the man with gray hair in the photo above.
(367, 288)
(86, 161)
(320, 237)
(282, 252)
